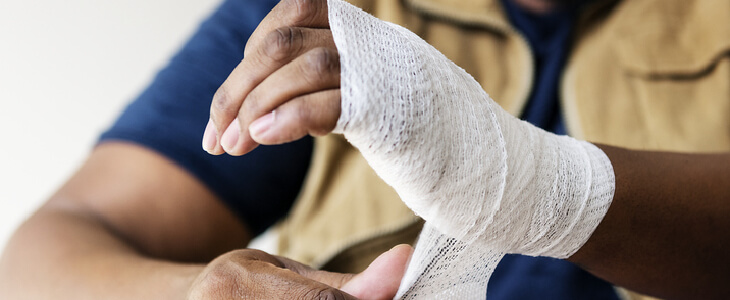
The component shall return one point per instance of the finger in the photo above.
(379, 281)
(332, 279)
(314, 114)
(281, 278)
(290, 13)
(227, 100)
(210, 139)
(316, 70)
(382, 278)
(253, 274)
(295, 286)
(281, 47)
(263, 280)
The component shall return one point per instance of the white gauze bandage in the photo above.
(485, 182)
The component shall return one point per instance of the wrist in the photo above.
(556, 191)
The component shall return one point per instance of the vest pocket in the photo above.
(685, 107)
(667, 72)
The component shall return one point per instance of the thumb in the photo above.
(382, 278)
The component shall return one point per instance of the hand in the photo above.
(245, 274)
(287, 85)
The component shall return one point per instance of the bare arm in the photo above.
(667, 232)
(103, 233)
(132, 225)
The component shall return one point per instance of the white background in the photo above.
(66, 70)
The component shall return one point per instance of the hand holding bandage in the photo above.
(286, 86)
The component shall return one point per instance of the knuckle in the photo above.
(305, 10)
(253, 255)
(248, 252)
(252, 105)
(322, 61)
(281, 43)
(219, 281)
(323, 294)
(223, 103)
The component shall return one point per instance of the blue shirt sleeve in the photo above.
(170, 115)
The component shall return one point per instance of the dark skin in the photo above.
(98, 237)
(539, 6)
(666, 233)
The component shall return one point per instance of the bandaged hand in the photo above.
(454, 156)
(485, 182)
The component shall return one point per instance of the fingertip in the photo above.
(210, 140)
(229, 139)
(210, 137)
(382, 278)
(393, 261)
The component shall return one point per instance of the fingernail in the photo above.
(230, 136)
(209, 137)
(259, 127)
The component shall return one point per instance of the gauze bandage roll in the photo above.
(485, 182)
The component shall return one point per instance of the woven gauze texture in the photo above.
(485, 182)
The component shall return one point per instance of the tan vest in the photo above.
(642, 74)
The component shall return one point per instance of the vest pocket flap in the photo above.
(674, 38)
(671, 62)
(480, 13)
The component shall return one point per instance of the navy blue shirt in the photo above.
(549, 37)
(170, 115)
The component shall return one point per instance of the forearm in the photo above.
(57, 254)
(668, 228)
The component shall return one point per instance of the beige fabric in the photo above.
(644, 74)
(654, 75)
(355, 207)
